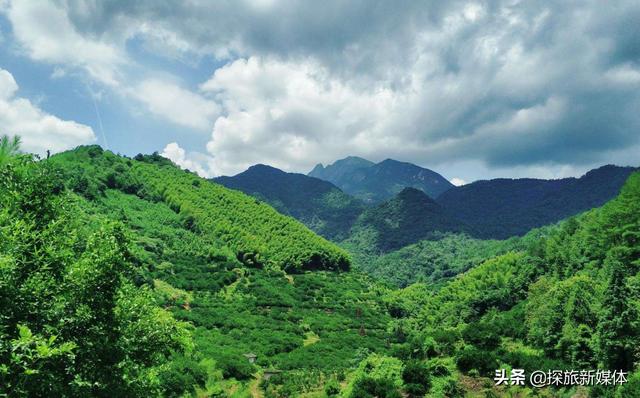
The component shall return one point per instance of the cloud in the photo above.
(197, 162)
(457, 181)
(56, 41)
(103, 56)
(39, 130)
(291, 114)
(180, 106)
(509, 85)
(505, 84)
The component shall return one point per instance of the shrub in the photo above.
(417, 380)
(471, 357)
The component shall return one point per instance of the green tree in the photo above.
(417, 379)
(71, 321)
(9, 148)
(618, 326)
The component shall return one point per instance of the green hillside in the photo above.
(409, 217)
(257, 233)
(318, 204)
(569, 301)
(430, 261)
(311, 325)
(129, 277)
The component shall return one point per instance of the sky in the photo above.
(470, 89)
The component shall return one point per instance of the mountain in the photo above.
(236, 220)
(131, 277)
(318, 204)
(503, 207)
(376, 182)
(340, 170)
(433, 261)
(224, 264)
(409, 217)
(566, 301)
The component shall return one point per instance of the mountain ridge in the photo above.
(504, 207)
(376, 182)
(317, 203)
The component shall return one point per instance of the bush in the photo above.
(483, 335)
(182, 375)
(471, 357)
(451, 389)
(632, 388)
(235, 366)
(417, 380)
(368, 387)
(332, 388)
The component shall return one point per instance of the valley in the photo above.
(275, 284)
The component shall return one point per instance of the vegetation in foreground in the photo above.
(129, 277)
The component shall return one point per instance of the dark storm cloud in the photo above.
(502, 82)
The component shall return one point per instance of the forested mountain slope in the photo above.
(130, 277)
(377, 182)
(257, 233)
(318, 204)
(409, 217)
(502, 208)
(569, 301)
(127, 245)
(433, 261)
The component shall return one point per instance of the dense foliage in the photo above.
(311, 325)
(409, 217)
(569, 301)
(72, 322)
(501, 208)
(318, 204)
(258, 234)
(130, 277)
(376, 182)
(430, 261)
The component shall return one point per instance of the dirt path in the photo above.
(254, 388)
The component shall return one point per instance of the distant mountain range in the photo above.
(376, 182)
(391, 204)
(503, 207)
(319, 204)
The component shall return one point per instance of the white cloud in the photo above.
(46, 34)
(290, 115)
(58, 73)
(39, 130)
(293, 114)
(174, 103)
(105, 59)
(457, 181)
(200, 163)
(624, 74)
(8, 85)
(508, 84)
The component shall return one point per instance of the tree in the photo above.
(618, 326)
(417, 379)
(377, 376)
(368, 387)
(71, 321)
(9, 147)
